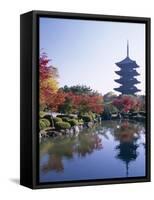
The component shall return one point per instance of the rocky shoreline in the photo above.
(53, 132)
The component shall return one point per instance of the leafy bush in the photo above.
(42, 124)
(86, 118)
(92, 115)
(73, 122)
(62, 125)
(66, 119)
(42, 114)
(57, 119)
(80, 121)
(46, 122)
(62, 116)
(67, 116)
(110, 108)
(50, 118)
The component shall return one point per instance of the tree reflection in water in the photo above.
(60, 148)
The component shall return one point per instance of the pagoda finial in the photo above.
(127, 48)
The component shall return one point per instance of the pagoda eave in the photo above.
(127, 91)
(127, 62)
(121, 72)
(121, 66)
(127, 81)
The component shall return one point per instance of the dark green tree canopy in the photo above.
(79, 89)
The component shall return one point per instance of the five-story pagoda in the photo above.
(127, 75)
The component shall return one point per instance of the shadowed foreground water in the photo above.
(112, 150)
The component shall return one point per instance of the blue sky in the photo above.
(85, 52)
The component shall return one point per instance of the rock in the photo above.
(71, 131)
(43, 133)
(67, 131)
(80, 127)
(63, 131)
(76, 129)
(90, 124)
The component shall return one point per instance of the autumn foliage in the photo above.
(83, 103)
(127, 103)
(50, 97)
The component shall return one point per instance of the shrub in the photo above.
(67, 116)
(66, 119)
(80, 121)
(42, 125)
(86, 118)
(57, 119)
(62, 125)
(62, 116)
(73, 122)
(109, 109)
(42, 114)
(49, 117)
(92, 115)
(46, 122)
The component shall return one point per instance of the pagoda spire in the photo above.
(127, 48)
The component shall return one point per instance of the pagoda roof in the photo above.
(127, 80)
(127, 62)
(125, 90)
(122, 73)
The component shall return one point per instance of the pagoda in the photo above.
(127, 75)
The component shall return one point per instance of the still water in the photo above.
(113, 149)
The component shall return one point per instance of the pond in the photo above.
(113, 149)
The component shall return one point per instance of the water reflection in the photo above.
(128, 135)
(67, 147)
(120, 140)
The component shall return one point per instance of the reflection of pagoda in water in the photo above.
(127, 75)
(127, 153)
(127, 135)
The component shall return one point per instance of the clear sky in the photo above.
(85, 52)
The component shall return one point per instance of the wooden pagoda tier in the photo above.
(127, 62)
(127, 75)
(129, 80)
(127, 90)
